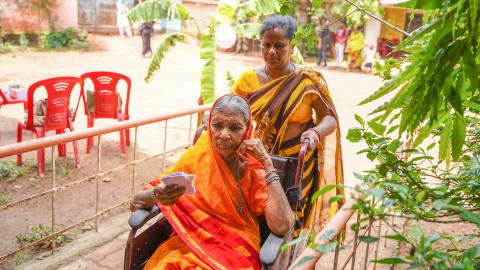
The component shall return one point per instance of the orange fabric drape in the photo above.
(210, 233)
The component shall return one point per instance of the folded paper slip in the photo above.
(181, 179)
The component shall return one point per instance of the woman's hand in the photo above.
(258, 151)
(168, 195)
(312, 137)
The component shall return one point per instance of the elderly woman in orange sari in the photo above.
(217, 226)
(290, 105)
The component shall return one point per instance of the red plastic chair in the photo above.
(56, 116)
(4, 100)
(105, 106)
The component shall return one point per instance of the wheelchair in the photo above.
(140, 247)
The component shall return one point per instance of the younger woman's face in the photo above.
(276, 48)
(227, 128)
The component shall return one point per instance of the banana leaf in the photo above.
(248, 30)
(297, 56)
(158, 10)
(208, 53)
(167, 43)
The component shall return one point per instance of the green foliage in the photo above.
(225, 13)
(6, 47)
(23, 41)
(38, 232)
(423, 188)
(167, 43)
(440, 83)
(253, 8)
(9, 171)
(248, 30)
(70, 38)
(3, 199)
(358, 18)
(19, 257)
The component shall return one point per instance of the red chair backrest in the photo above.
(105, 88)
(58, 100)
(3, 98)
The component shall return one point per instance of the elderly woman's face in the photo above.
(227, 127)
(276, 48)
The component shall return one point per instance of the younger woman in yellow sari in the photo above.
(355, 44)
(290, 105)
(217, 226)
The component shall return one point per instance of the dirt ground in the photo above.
(174, 87)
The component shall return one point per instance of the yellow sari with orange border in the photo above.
(289, 99)
(210, 232)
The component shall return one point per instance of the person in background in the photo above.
(323, 43)
(341, 37)
(355, 45)
(370, 58)
(122, 19)
(146, 31)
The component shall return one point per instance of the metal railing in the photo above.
(55, 140)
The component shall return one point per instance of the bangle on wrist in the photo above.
(316, 132)
(271, 176)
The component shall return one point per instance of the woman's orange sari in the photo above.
(210, 232)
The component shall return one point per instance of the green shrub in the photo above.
(70, 38)
(10, 171)
(3, 199)
(23, 41)
(5, 47)
(38, 232)
(19, 257)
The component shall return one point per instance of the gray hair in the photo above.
(285, 22)
(233, 102)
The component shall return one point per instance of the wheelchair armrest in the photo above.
(271, 248)
(141, 216)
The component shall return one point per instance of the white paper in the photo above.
(181, 179)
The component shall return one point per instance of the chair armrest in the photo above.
(141, 216)
(271, 248)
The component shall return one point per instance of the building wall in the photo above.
(202, 10)
(67, 13)
(20, 16)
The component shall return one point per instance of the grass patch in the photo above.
(3, 199)
(9, 171)
(19, 257)
(40, 231)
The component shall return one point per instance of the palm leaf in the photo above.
(167, 43)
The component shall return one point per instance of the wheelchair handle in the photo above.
(301, 158)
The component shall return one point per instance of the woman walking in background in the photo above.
(355, 45)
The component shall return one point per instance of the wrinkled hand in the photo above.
(312, 137)
(168, 195)
(258, 151)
